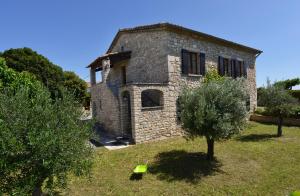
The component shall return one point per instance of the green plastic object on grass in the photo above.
(140, 169)
(295, 193)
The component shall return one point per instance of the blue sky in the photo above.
(73, 33)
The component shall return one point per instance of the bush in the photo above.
(296, 112)
(10, 79)
(260, 111)
(42, 140)
(295, 93)
(76, 86)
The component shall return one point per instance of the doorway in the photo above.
(126, 115)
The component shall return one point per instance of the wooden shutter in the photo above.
(237, 68)
(244, 69)
(202, 63)
(185, 61)
(233, 68)
(221, 66)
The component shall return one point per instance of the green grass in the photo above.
(253, 163)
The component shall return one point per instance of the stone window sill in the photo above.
(152, 108)
(194, 75)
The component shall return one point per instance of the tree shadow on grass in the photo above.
(136, 177)
(256, 137)
(179, 165)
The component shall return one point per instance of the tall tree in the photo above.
(215, 110)
(75, 85)
(10, 79)
(25, 59)
(287, 84)
(278, 102)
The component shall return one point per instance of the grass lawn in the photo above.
(254, 163)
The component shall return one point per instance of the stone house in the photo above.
(145, 69)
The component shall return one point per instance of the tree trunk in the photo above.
(210, 149)
(37, 191)
(280, 122)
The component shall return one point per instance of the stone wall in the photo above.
(148, 58)
(155, 123)
(156, 64)
(105, 97)
(274, 120)
(212, 51)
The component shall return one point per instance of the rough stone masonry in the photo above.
(144, 65)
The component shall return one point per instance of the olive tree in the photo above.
(42, 140)
(278, 102)
(215, 110)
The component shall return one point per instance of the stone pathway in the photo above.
(108, 141)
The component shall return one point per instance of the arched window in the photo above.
(152, 98)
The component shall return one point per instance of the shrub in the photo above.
(42, 140)
(295, 93)
(76, 86)
(10, 79)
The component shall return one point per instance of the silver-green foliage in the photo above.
(277, 100)
(41, 141)
(216, 109)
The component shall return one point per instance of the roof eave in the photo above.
(169, 26)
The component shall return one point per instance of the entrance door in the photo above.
(126, 114)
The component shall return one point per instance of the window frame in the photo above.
(234, 69)
(194, 66)
(160, 99)
(193, 63)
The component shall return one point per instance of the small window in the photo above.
(152, 98)
(240, 68)
(193, 68)
(231, 67)
(224, 66)
(237, 68)
(193, 63)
